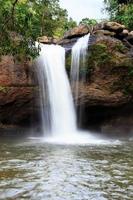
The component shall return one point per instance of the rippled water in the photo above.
(31, 169)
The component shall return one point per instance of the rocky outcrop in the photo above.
(107, 93)
(109, 78)
(112, 29)
(110, 26)
(47, 40)
(18, 90)
(71, 36)
(113, 26)
(76, 32)
(130, 37)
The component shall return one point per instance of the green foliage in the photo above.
(63, 26)
(16, 28)
(121, 11)
(88, 22)
(23, 21)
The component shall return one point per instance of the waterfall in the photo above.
(78, 70)
(79, 54)
(57, 109)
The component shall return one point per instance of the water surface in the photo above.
(34, 170)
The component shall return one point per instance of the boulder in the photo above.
(104, 32)
(123, 34)
(76, 32)
(47, 40)
(130, 37)
(113, 26)
(131, 33)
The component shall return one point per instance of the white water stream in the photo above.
(79, 54)
(58, 116)
(57, 107)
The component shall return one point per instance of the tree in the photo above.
(23, 21)
(64, 24)
(121, 11)
(88, 22)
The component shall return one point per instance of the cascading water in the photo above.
(57, 108)
(58, 116)
(79, 54)
(78, 64)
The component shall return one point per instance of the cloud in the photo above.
(79, 9)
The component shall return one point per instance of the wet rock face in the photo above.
(17, 92)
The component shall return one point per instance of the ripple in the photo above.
(38, 170)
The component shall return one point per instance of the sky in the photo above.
(79, 9)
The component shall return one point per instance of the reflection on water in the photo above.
(42, 171)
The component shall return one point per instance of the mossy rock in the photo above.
(99, 55)
(107, 52)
